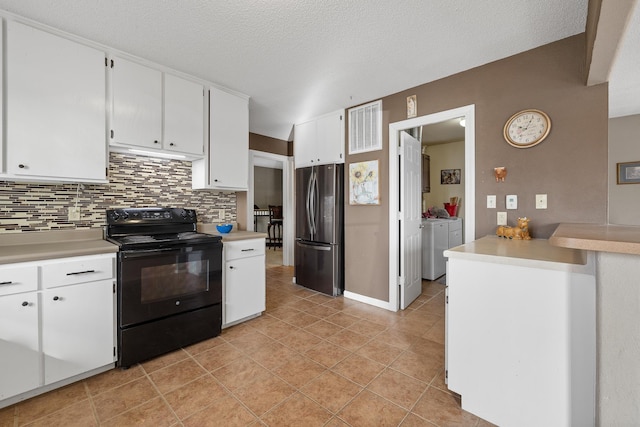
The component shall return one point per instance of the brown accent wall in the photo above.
(270, 145)
(570, 166)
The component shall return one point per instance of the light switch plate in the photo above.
(502, 218)
(541, 201)
(74, 213)
(512, 201)
(491, 202)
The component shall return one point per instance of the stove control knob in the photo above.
(167, 214)
(125, 215)
(115, 216)
(183, 213)
(190, 212)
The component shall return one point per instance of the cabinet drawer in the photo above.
(455, 225)
(243, 248)
(78, 270)
(18, 279)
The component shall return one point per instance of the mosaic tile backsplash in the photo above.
(134, 182)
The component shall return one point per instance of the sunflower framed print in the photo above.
(363, 183)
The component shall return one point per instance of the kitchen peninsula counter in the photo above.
(617, 253)
(622, 239)
(521, 331)
(42, 245)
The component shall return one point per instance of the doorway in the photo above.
(284, 163)
(395, 217)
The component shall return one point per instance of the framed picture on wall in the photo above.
(450, 176)
(363, 183)
(629, 173)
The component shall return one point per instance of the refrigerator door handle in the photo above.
(309, 184)
(315, 203)
(315, 247)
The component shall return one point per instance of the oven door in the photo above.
(153, 284)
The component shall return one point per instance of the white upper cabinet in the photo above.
(305, 141)
(55, 108)
(151, 113)
(226, 166)
(320, 141)
(136, 104)
(183, 115)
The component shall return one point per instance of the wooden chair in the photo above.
(274, 228)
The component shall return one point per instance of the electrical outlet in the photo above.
(221, 214)
(512, 201)
(541, 201)
(74, 213)
(502, 218)
(491, 202)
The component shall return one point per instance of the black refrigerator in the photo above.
(319, 250)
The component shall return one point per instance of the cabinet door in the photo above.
(77, 329)
(244, 288)
(136, 104)
(55, 107)
(20, 369)
(304, 145)
(330, 138)
(228, 141)
(183, 115)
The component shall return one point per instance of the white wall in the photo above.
(445, 156)
(624, 146)
(618, 293)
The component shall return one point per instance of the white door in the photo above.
(410, 219)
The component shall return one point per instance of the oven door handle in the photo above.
(147, 253)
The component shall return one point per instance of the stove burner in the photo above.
(149, 228)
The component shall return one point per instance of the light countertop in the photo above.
(623, 239)
(234, 235)
(534, 252)
(41, 245)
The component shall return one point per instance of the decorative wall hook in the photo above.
(501, 173)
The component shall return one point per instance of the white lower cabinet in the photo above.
(77, 329)
(244, 280)
(19, 348)
(57, 322)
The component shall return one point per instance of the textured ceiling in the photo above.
(300, 58)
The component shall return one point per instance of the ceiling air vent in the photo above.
(365, 128)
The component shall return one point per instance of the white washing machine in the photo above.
(435, 240)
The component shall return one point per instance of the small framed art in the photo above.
(450, 176)
(629, 173)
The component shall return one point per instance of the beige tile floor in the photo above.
(310, 360)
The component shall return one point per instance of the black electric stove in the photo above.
(169, 281)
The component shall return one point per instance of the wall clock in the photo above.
(527, 128)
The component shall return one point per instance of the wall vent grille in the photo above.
(365, 128)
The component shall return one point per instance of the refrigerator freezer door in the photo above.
(318, 267)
